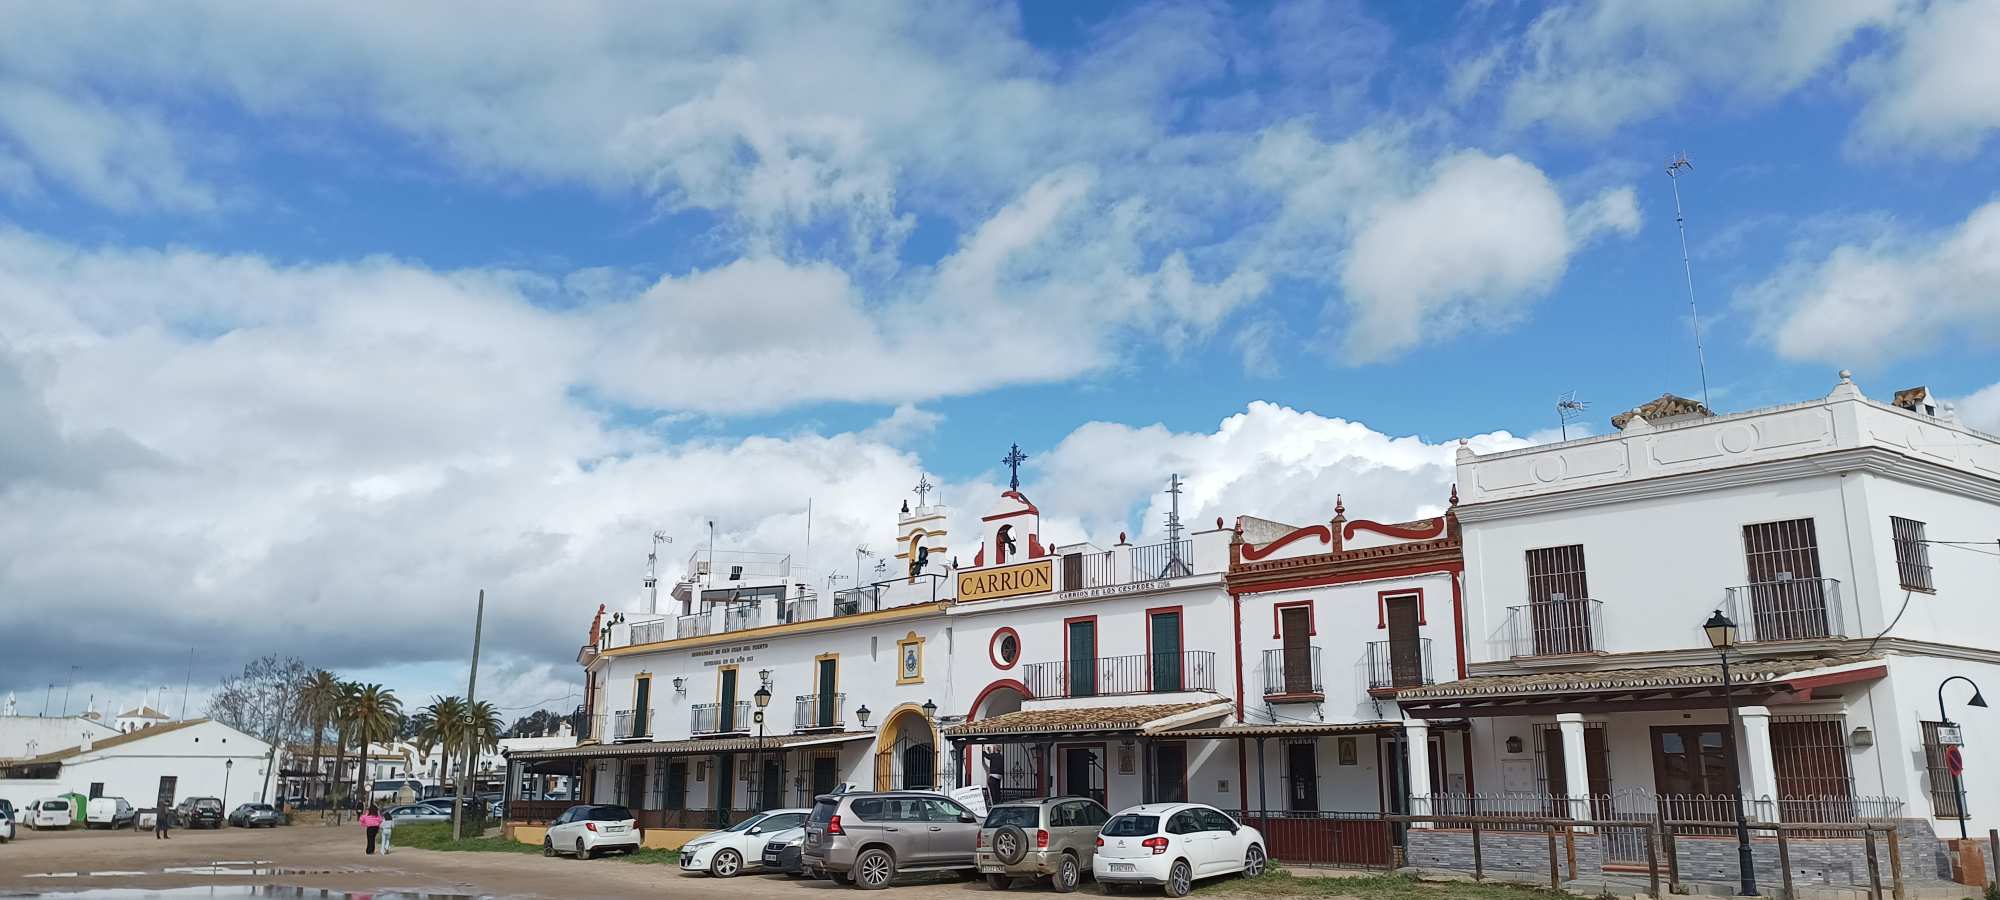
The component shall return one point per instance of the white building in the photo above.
(205, 758)
(25, 736)
(141, 716)
(1827, 531)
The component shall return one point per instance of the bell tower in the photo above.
(920, 533)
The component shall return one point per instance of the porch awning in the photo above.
(1084, 721)
(695, 746)
(1287, 730)
(1756, 681)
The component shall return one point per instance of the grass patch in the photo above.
(1281, 883)
(437, 836)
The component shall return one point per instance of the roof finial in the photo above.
(1339, 506)
(1846, 375)
(923, 489)
(1454, 493)
(1013, 461)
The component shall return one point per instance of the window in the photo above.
(1913, 556)
(1183, 822)
(1556, 574)
(1559, 601)
(1944, 792)
(1809, 754)
(1212, 820)
(1788, 600)
(1129, 825)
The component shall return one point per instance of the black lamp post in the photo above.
(227, 765)
(763, 698)
(861, 715)
(930, 709)
(1722, 636)
(1944, 721)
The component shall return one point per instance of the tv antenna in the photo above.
(1569, 409)
(1674, 168)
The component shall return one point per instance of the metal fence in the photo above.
(1109, 676)
(738, 616)
(649, 632)
(1292, 671)
(1088, 570)
(719, 718)
(1794, 609)
(798, 609)
(1555, 627)
(1167, 559)
(1326, 838)
(1398, 664)
(631, 723)
(819, 711)
(694, 625)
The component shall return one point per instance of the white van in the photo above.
(51, 813)
(109, 812)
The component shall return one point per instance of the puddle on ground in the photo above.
(247, 890)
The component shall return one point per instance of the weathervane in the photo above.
(923, 488)
(1013, 461)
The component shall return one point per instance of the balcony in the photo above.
(1088, 570)
(798, 609)
(1795, 609)
(1393, 665)
(709, 719)
(739, 616)
(814, 712)
(1292, 673)
(1555, 627)
(1112, 676)
(1167, 559)
(694, 625)
(887, 594)
(649, 632)
(631, 724)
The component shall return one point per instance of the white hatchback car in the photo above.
(51, 813)
(740, 846)
(590, 829)
(1172, 845)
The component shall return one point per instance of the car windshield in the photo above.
(823, 811)
(609, 814)
(1131, 825)
(1023, 816)
(208, 803)
(746, 824)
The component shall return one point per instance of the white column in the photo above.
(1417, 750)
(1760, 771)
(1576, 764)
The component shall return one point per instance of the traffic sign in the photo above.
(1949, 735)
(1955, 761)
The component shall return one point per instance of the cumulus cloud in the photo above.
(1890, 295)
(1936, 85)
(1981, 409)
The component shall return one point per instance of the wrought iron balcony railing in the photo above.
(1796, 609)
(1398, 664)
(1109, 676)
(1555, 627)
(627, 724)
(816, 711)
(719, 718)
(1292, 672)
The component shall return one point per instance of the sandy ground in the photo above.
(318, 856)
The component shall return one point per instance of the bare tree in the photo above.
(263, 700)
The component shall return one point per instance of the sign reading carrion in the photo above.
(1008, 581)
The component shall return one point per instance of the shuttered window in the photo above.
(1944, 797)
(1913, 556)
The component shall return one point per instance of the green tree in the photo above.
(319, 699)
(342, 719)
(373, 714)
(443, 728)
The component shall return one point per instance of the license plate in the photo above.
(614, 828)
(993, 868)
(1124, 867)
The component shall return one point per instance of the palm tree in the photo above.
(482, 733)
(373, 715)
(317, 697)
(442, 725)
(343, 704)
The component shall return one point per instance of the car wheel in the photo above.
(582, 852)
(1253, 862)
(548, 847)
(725, 864)
(1068, 875)
(1010, 844)
(874, 869)
(1180, 879)
(999, 882)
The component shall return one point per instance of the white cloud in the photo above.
(1591, 67)
(1981, 409)
(126, 159)
(1936, 86)
(1895, 294)
(904, 424)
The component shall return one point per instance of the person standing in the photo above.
(160, 819)
(388, 831)
(372, 821)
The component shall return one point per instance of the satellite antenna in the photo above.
(1569, 409)
(1175, 565)
(652, 571)
(1675, 167)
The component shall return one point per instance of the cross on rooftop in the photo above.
(923, 488)
(1013, 461)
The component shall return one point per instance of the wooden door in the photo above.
(1296, 624)
(642, 699)
(1301, 776)
(635, 786)
(1072, 571)
(1406, 660)
(725, 714)
(823, 774)
(1082, 661)
(1787, 599)
(1165, 663)
(1170, 773)
(1693, 760)
(677, 785)
(829, 681)
(1596, 766)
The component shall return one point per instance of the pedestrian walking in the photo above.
(372, 821)
(160, 819)
(388, 830)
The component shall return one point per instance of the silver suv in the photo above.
(1052, 838)
(868, 838)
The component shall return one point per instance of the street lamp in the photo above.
(861, 715)
(930, 709)
(227, 764)
(1957, 782)
(763, 698)
(1722, 636)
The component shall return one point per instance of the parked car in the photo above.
(1173, 845)
(740, 846)
(868, 838)
(254, 815)
(6, 821)
(588, 829)
(785, 852)
(109, 812)
(416, 812)
(199, 812)
(1053, 838)
(54, 812)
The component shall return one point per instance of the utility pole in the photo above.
(70, 683)
(471, 685)
(184, 685)
(1674, 168)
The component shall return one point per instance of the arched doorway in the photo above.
(906, 751)
(1008, 771)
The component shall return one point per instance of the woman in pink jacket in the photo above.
(372, 820)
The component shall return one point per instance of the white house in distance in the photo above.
(141, 716)
(26, 736)
(1851, 542)
(205, 758)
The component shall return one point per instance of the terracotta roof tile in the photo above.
(113, 741)
(1078, 718)
(1545, 683)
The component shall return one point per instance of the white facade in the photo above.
(1611, 552)
(25, 736)
(206, 758)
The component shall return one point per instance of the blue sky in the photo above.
(372, 306)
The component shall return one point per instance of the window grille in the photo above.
(1913, 556)
(1944, 797)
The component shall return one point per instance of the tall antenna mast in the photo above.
(1674, 168)
(653, 572)
(1174, 509)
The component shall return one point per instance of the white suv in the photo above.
(1172, 844)
(590, 829)
(740, 846)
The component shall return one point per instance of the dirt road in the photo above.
(317, 856)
